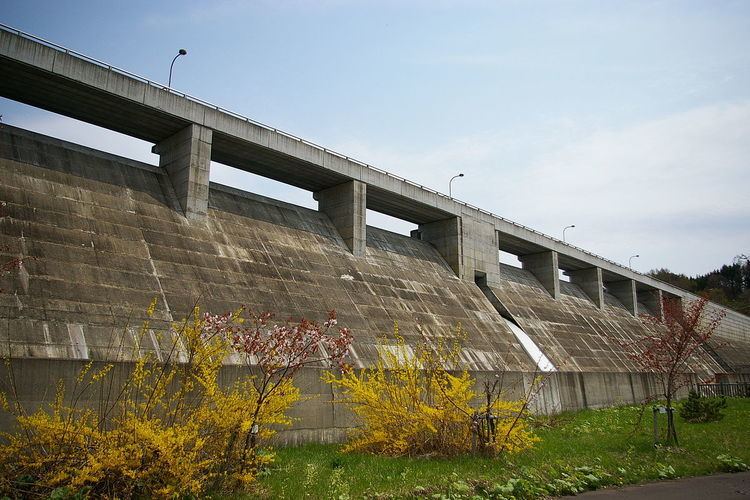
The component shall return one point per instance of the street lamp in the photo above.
(450, 195)
(182, 52)
(565, 229)
(630, 261)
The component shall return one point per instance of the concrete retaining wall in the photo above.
(101, 236)
(321, 417)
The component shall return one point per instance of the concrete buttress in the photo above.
(346, 206)
(186, 156)
(468, 246)
(625, 292)
(590, 281)
(480, 249)
(652, 300)
(544, 266)
(445, 236)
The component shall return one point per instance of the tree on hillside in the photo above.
(678, 280)
(672, 342)
(729, 285)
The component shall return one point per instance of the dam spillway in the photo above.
(102, 235)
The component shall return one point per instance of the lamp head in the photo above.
(460, 175)
(183, 52)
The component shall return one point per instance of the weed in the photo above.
(731, 464)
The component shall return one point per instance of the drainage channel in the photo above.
(536, 354)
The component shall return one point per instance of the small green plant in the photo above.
(665, 471)
(339, 486)
(732, 464)
(698, 409)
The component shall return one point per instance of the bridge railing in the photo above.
(299, 139)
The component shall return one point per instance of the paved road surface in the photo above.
(716, 487)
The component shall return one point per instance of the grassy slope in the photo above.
(581, 450)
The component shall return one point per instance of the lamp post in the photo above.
(565, 229)
(630, 261)
(450, 193)
(181, 52)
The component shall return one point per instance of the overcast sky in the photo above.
(630, 120)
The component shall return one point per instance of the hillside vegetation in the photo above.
(728, 285)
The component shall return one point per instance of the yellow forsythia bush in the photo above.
(169, 429)
(410, 404)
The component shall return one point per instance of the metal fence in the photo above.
(738, 390)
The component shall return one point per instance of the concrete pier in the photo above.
(480, 249)
(346, 205)
(544, 266)
(590, 281)
(625, 292)
(652, 299)
(445, 236)
(186, 157)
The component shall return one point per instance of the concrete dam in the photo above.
(102, 235)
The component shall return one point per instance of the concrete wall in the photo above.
(572, 331)
(321, 416)
(102, 235)
(110, 239)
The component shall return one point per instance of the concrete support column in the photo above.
(445, 236)
(186, 156)
(346, 206)
(480, 250)
(652, 300)
(468, 245)
(544, 266)
(625, 292)
(672, 299)
(590, 281)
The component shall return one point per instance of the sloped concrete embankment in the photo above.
(320, 416)
(101, 236)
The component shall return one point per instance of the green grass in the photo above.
(579, 450)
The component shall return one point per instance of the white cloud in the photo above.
(673, 189)
(688, 163)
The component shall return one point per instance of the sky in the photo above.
(629, 120)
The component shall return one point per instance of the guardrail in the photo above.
(306, 142)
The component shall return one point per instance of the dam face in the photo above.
(101, 236)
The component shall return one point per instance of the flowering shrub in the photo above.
(169, 429)
(674, 340)
(410, 404)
